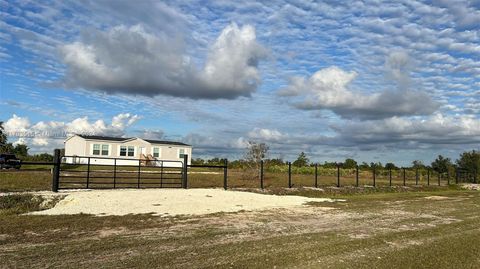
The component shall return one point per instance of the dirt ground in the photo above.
(393, 230)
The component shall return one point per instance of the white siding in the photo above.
(78, 146)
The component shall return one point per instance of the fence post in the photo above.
(225, 168)
(316, 175)
(428, 177)
(416, 176)
(161, 175)
(404, 177)
(374, 177)
(261, 174)
(390, 175)
(114, 172)
(138, 176)
(88, 172)
(356, 175)
(289, 174)
(438, 178)
(338, 175)
(448, 177)
(475, 176)
(456, 175)
(185, 171)
(56, 170)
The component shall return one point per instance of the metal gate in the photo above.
(80, 172)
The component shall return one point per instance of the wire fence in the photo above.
(87, 172)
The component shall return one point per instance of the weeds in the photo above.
(19, 203)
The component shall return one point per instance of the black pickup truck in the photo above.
(9, 161)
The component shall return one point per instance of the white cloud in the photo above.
(240, 143)
(266, 135)
(134, 61)
(16, 124)
(20, 141)
(43, 134)
(40, 141)
(328, 89)
(121, 121)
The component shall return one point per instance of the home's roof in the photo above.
(165, 142)
(108, 138)
(122, 139)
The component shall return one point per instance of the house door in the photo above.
(143, 151)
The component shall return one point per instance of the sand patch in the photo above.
(436, 197)
(170, 202)
(471, 186)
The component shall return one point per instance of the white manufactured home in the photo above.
(125, 151)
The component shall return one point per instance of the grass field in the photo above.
(433, 227)
(39, 178)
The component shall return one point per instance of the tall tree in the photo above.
(255, 152)
(441, 164)
(302, 160)
(418, 164)
(21, 150)
(390, 166)
(470, 161)
(377, 165)
(349, 163)
(364, 165)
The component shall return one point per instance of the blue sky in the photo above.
(370, 80)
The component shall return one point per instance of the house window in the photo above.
(96, 149)
(131, 151)
(123, 150)
(104, 150)
(156, 152)
(181, 153)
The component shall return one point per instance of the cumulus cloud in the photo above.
(132, 60)
(266, 135)
(16, 124)
(329, 89)
(44, 134)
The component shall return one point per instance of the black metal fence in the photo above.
(373, 177)
(96, 172)
(81, 172)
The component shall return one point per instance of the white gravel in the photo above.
(471, 186)
(170, 202)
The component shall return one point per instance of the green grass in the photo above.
(379, 230)
(25, 181)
